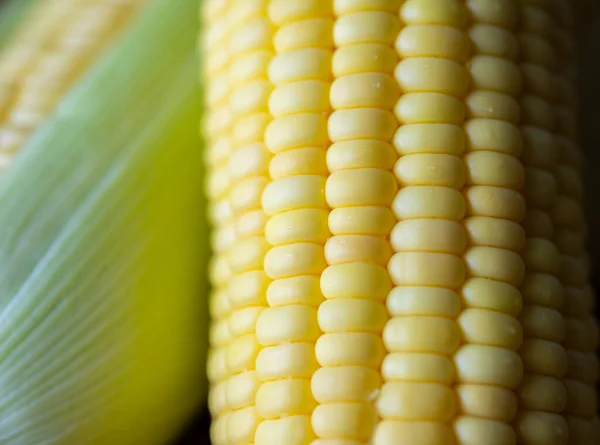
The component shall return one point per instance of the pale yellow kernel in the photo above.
(538, 80)
(310, 33)
(345, 384)
(540, 187)
(428, 235)
(299, 161)
(336, 442)
(482, 326)
(246, 195)
(364, 58)
(219, 304)
(251, 129)
(300, 64)
(219, 332)
(294, 259)
(243, 321)
(295, 290)
(293, 193)
(496, 264)
(241, 389)
(363, 220)
(544, 357)
(298, 130)
(540, 428)
(421, 334)
(352, 315)
(298, 226)
(493, 135)
(416, 301)
(251, 224)
(566, 212)
(540, 147)
(249, 67)
(241, 425)
(247, 254)
(492, 105)
(366, 27)
(536, 49)
(495, 74)
(351, 420)
(495, 202)
(284, 11)
(348, 6)
(292, 430)
(249, 160)
(434, 12)
(427, 269)
(488, 402)
(216, 91)
(342, 249)
(416, 401)
(355, 280)
(429, 107)
(246, 10)
(541, 255)
(494, 232)
(217, 398)
(218, 183)
(364, 153)
(541, 393)
(494, 169)
(287, 360)
(361, 123)
(417, 367)
(488, 365)
(537, 112)
(429, 138)
(360, 187)
(394, 432)
(543, 322)
(433, 41)
(493, 41)
(254, 35)
(432, 74)
(307, 96)
(429, 202)
(538, 223)
(350, 348)
(543, 289)
(503, 13)
(470, 430)
(242, 353)
(430, 169)
(364, 90)
(282, 398)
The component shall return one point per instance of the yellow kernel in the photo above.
(583, 367)
(254, 35)
(251, 224)
(249, 67)
(580, 430)
(431, 74)
(364, 90)
(360, 187)
(494, 169)
(569, 181)
(394, 432)
(247, 255)
(310, 33)
(428, 235)
(580, 302)
(495, 202)
(246, 195)
(470, 430)
(544, 357)
(295, 290)
(307, 96)
(434, 12)
(536, 49)
(342, 249)
(543, 289)
(416, 401)
(366, 27)
(540, 187)
(288, 397)
(345, 384)
(430, 169)
(493, 135)
(300, 64)
(295, 360)
(537, 112)
(538, 80)
(241, 389)
(364, 58)
(250, 129)
(298, 226)
(242, 424)
(298, 130)
(433, 41)
(242, 353)
(566, 212)
(292, 430)
(283, 11)
(416, 301)
(219, 333)
(495, 74)
(293, 193)
(352, 315)
(355, 280)
(299, 161)
(488, 365)
(540, 147)
(249, 160)
(376, 221)
(540, 428)
(294, 259)
(417, 367)
(568, 241)
(243, 321)
(429, 202)
(348, 6)
(494, 232)
(490, 328)
(535, 20)
(492, 105)
(542, 393)
(421, 334)
(429, 138)
(493, 41)
(541, 255)
(351, 420)
(350, 349)
(577, 336)
(501, 13)
(363, 153)
(429, 107)
(538, 223)
(488, 402)
(361, 123)
(496, 264)
(427, 269)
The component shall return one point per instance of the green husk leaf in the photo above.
(103, 248)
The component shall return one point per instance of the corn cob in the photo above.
(399, 248)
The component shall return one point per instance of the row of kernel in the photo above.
(417, 398)
(581, 338)
(251, 49)
(360, 191)
(542, 395)
(297, 219)
(215, 45)
(487, 364)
